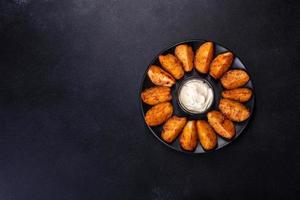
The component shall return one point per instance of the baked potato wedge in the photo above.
(234, 78)
(158, 114)
(220, 64)
(188, 137)
(223, 126)
(185, 54)
(172, 128)
(171, 64)
(234, 110)
(203, 57)
(155, 95)
(238, 94)
(206, 134)
(160, 77)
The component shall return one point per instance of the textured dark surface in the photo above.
(70, 124)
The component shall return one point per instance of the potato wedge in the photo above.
(234, 110)
(203, 57)
(185, 54)
(206, 134)
(220, 64)
(188, 137)
(159, 113)
(234, 78)
(172, 128)
(155, 95)
(223, 126)
(172, 65)
(238, 94)
(160, 77)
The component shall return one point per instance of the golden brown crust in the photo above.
(159, 113)
(160, 77)
(188, 137)
(172, 65)
(206, 134)
(203, 57)
(185, 54)
(238, 94)
(234, 110)
(155, 95)
(234, 78)
(220, 64)
(223, 126)
(172, 128)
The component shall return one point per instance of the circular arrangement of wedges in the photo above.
(217, 123)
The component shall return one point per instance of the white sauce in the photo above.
(196, 96)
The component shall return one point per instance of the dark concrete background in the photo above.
(70, 124)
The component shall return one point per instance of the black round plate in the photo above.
(146, 83)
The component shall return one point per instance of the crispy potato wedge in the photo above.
(172, 65)
(234, 110)
(234, 78)
(238, 94)
(203, 57)
(185, 54)
(159, 113)
(223, 126)
(188, 137)
(206, 134)
(220, 64)
(155, 95)
(172, 128)
(160, 77)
